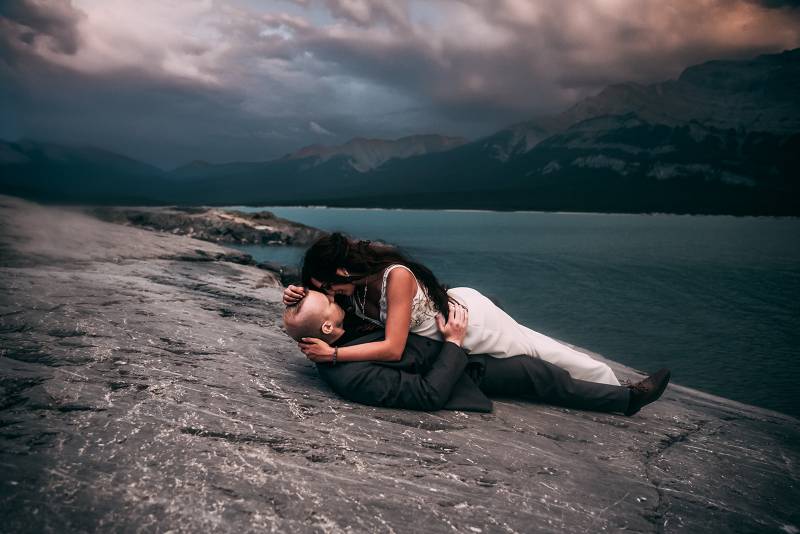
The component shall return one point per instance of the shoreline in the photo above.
(535, 212)
(153, 203)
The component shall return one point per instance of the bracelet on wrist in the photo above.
(335, 355)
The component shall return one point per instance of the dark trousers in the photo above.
(524, 377)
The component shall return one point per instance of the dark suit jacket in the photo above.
(430, 376)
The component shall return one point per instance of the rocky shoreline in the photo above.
(146, 385)
(229, 227)
(213, 224)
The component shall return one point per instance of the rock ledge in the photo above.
(212, 224)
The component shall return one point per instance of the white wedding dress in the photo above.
(492, 331)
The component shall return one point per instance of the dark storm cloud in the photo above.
(155, 119)
(54, 90)
(777, 4)
(24, 23)
(507, 60)
(236, 79)
(456, 81)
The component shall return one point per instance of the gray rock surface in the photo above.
(146, 386)
(211, 224)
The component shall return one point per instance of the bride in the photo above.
(385, 288)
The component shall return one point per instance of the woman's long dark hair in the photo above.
(363, 258)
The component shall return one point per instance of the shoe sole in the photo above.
(664, 383)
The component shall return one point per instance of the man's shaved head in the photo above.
(314, 316)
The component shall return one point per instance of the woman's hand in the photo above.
(293, 294)
(316, 350)
(456, 328)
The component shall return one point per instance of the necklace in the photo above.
(363, 303)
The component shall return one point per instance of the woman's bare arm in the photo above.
(401, 287)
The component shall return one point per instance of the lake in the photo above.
(714, 298)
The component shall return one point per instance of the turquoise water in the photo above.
(714, 298)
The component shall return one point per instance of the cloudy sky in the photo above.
(221, 80)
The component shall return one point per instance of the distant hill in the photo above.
(722, 138)
(753, 95)
(50, 172)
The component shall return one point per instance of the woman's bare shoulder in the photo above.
(400, 271)
(401, 278)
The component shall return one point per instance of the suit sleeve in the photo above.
(379, 385)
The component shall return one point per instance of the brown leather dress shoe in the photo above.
(647, 391)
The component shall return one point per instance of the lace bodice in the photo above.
(423, 310)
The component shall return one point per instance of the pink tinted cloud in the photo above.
(360, 67)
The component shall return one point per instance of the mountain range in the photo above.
(724, 137)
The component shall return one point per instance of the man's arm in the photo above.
(381, 385)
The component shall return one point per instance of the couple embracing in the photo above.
(383, 331)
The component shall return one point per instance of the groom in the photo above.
(435, 375)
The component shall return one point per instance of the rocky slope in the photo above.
(256, 228)
(758, 95)
(145, 385)
(48, 172)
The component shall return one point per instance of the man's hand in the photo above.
(456, 328)
(293, 294)
(316, 350)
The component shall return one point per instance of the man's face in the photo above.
(327, 312)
